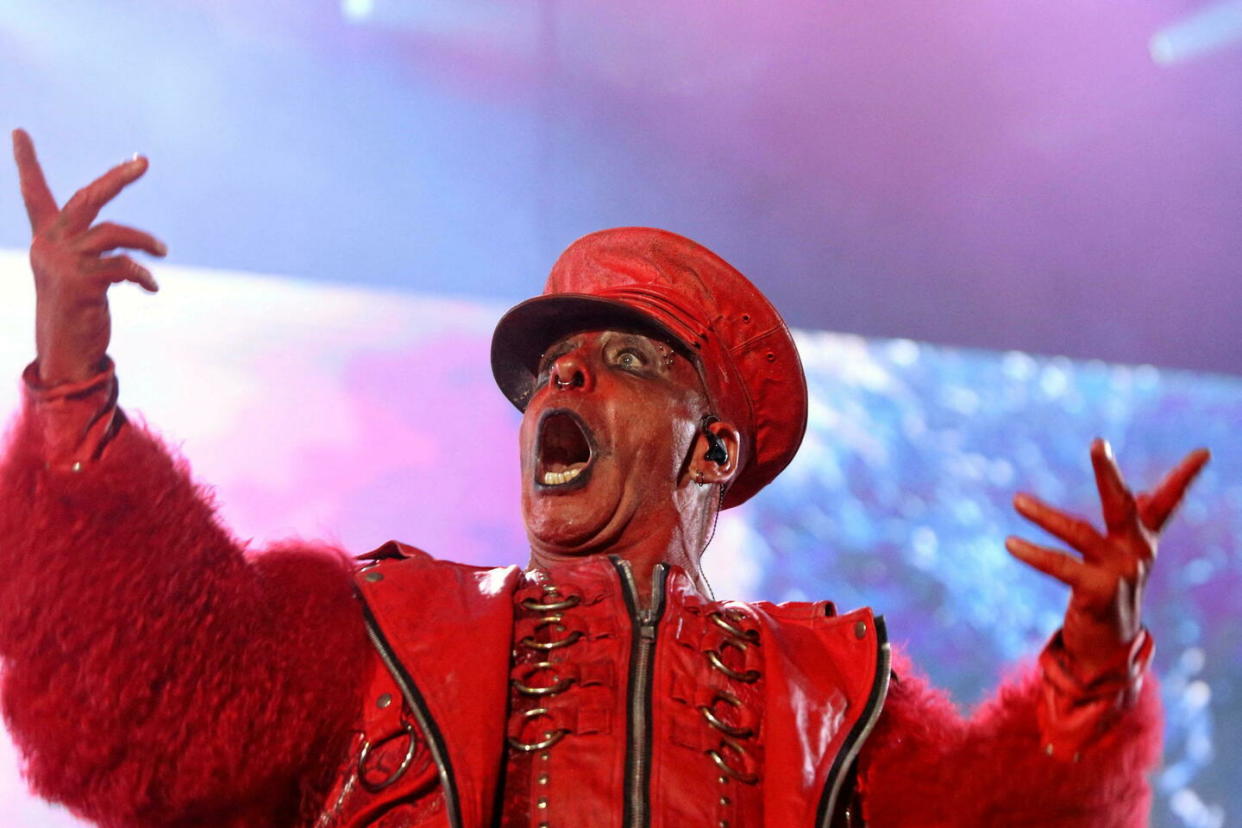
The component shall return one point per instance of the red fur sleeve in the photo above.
(925, 765)
(154, 675)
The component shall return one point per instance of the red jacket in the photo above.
(157, 674)
(695, 712)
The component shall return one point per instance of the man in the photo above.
(156, 675)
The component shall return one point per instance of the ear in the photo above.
(716, 435)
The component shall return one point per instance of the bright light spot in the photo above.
(903, 352)
(1017, 365)
(1198, 694)
(1192, 659)
(1193, 811)
(1199, 33)
(357, 9)
(1053, 381)
(923, 548)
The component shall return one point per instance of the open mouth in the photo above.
(563, 450)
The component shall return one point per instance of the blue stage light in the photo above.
(1203, 32)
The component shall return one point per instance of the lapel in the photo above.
(444, 630)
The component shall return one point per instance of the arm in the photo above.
(1070, 743)
(926, 765)
(154, 673)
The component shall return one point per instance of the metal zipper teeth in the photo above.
(862, 728)
(418, 705)
(642, 651)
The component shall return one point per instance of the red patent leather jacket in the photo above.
(685, 712)
(156, 674)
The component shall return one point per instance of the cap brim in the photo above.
(524, 333)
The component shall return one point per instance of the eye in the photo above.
(630, 358)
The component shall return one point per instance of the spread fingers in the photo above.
(40, 205)
(1075, 531)
(108, 236)
(125, 269)
(86, 203)
(1065, 568)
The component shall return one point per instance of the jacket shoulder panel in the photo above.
(449, 626)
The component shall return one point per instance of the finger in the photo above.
(1065, 568)
(40, 204)
(1115, 498)
(1156, 507)
(86, 203)
(124, 269)
(1073, 530)
(108, 236)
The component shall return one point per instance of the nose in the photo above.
(570, 371)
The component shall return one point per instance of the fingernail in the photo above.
(161, 248)
(1022, 500)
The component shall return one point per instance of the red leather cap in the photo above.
(640, 278)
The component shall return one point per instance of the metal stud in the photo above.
(374, 576)
(383, 701)
(860, 629)
(77, 466)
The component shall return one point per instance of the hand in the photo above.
(1106, 583)
(71, 272)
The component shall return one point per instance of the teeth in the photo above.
(551, 478)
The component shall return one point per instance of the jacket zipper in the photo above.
(418, 706)
(642, 653)
(862, 728)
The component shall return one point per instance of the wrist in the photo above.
(1102, 666)
(72, 343)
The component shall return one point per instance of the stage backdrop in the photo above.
(358, 416)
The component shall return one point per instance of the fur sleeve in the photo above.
(925, 765)
(153, 675)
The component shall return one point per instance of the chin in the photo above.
(566, 525)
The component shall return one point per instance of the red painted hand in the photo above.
(71, 272)
(1107, 581)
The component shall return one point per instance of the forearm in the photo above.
(153, 674)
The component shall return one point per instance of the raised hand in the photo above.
(1106, 582)
(71, 271)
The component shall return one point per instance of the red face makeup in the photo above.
(605, 441)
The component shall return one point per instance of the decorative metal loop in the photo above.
(550, 738)
(551, 606)
(716, 722)
(408, 730)
(551, 690)
(718, 618)
(748, 676)
(740, 776)
(572, 638)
